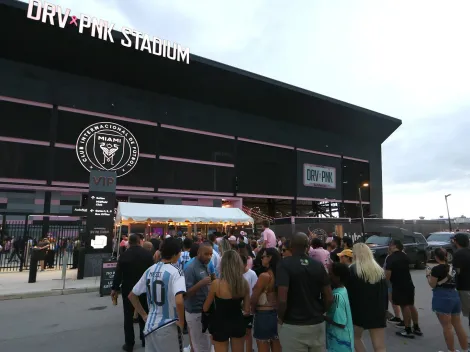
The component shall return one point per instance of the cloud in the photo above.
(429, 150)
(425, 160)
(407, 59)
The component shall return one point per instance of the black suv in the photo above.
(414, 243)
(443, 240)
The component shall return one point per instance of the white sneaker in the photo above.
(187, 349)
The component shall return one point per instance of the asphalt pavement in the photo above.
(85, 322)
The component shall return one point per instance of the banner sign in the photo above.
(108, 270)
(54, 15)
(107, 146)
(319, 176)
(100, 208)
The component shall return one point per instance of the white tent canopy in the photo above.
(128, 213)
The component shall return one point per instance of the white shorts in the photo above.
(168, 338)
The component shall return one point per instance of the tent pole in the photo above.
(119, 241)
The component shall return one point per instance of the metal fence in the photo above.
(17, 257)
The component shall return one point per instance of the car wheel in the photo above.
(421, 262)
(450, 256)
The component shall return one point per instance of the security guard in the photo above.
(130, 268)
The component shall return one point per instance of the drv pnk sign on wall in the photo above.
(107, 146)
(319, 176)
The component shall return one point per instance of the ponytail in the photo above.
(441, 254)
(446, 262)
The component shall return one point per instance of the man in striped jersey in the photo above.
(164, 285)
(184, 258)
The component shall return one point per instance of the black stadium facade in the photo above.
(179, 131)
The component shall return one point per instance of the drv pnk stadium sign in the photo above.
(107, 146)
(56, 16)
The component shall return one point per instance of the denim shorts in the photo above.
(265, 325)
(446, 301)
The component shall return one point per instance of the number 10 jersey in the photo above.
(161, 282)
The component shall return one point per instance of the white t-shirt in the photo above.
(252, 278)
(161, 282)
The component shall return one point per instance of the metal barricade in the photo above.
(17, 257)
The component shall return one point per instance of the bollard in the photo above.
(65, 261)
(75, 258)
(81, 264)
(33, 266)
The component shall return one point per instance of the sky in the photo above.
(406, 59)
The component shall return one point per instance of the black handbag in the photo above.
(207, 317)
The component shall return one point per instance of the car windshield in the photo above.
(378, 240)
(440, 237)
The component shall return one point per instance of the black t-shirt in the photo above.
(43, 243)
(131, 266)
(19, 244)
(399, 264)
(368, 301)
(441, 272)
(306, 279)
(156, 243)
(462, 262)
(334, 255)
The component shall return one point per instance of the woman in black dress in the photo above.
(228, 302)
(368, 297)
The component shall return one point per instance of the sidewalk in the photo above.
(48, 283)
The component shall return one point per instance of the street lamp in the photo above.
(364, 185)
(448, 214)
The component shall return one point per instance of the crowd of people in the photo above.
(51, 250)
(296, 294)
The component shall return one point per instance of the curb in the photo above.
(59, 292)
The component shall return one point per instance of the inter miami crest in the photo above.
(107, 146)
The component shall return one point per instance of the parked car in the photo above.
(443, 240)
(414, 243)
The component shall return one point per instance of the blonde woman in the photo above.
(368, 297)
(224, 246)
(226, 297)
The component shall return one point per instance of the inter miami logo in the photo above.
(107, 146)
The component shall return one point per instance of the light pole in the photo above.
(362, 210)
(448, 214)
